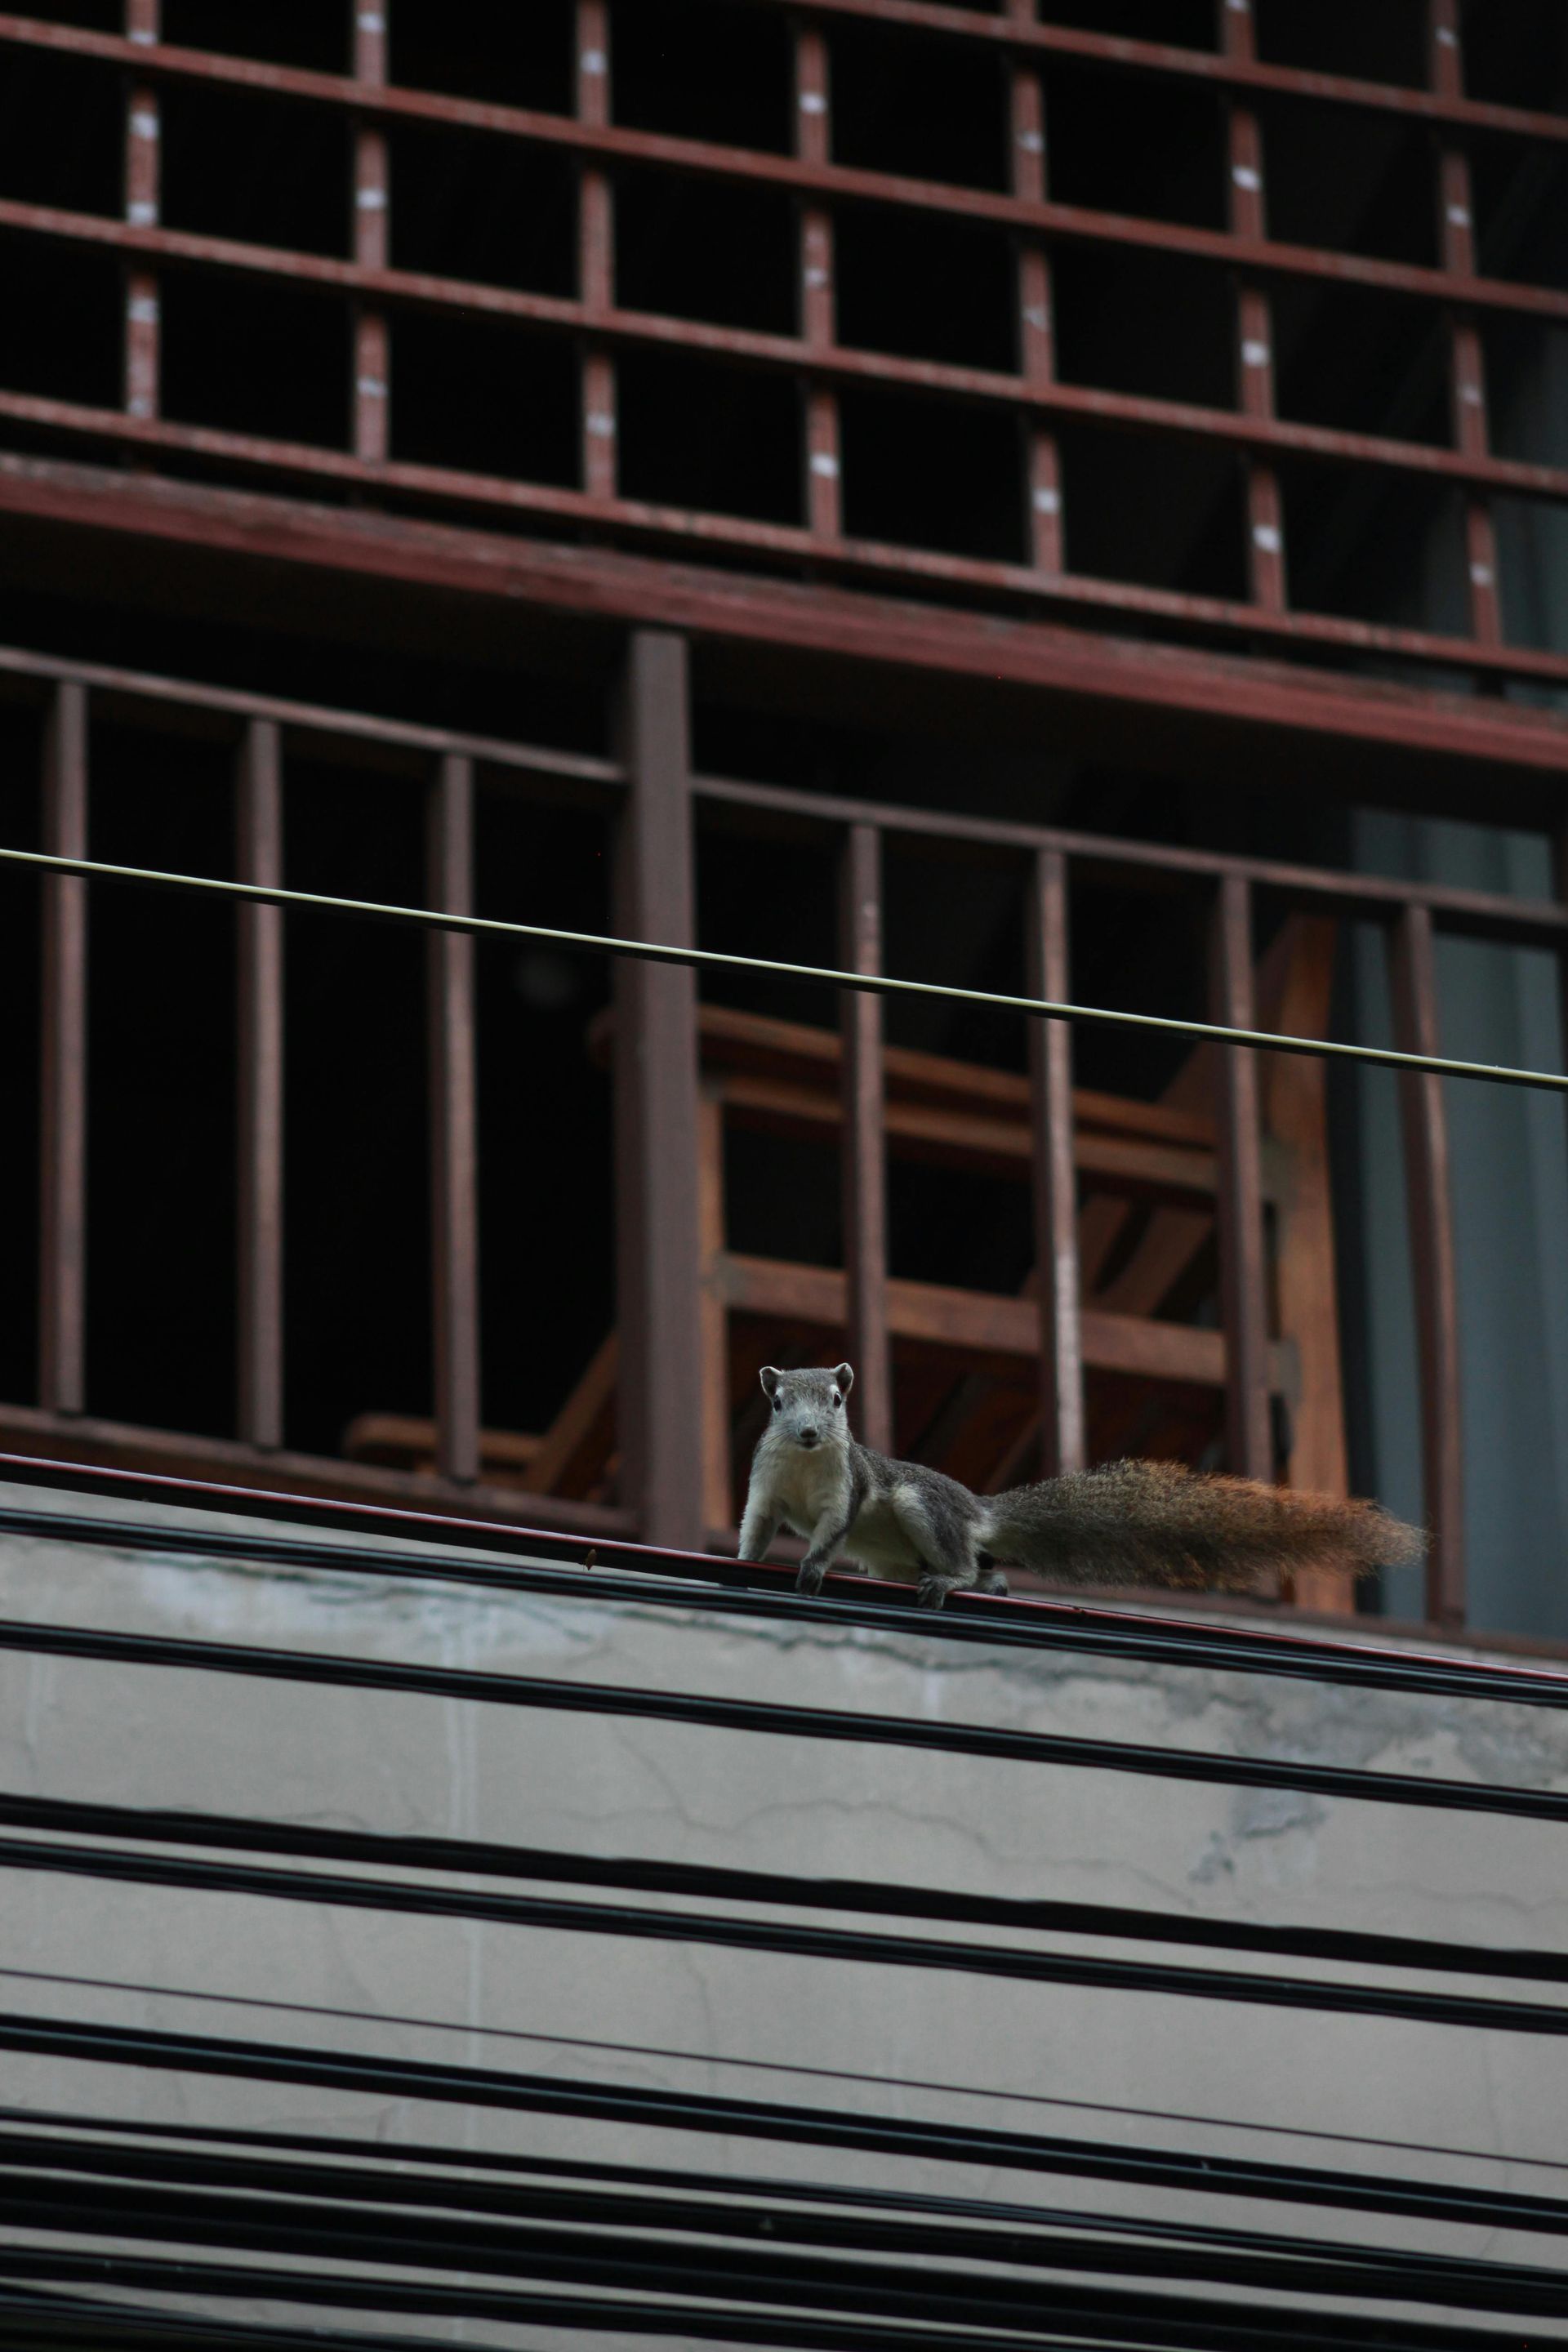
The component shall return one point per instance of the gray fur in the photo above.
(897, 1518)
(1129, 1522)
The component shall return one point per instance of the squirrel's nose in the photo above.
(808, 1437)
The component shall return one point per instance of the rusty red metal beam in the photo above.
(865, 1189)
(1255, 320)
(260, 858)
(372, 390)
(1244, 1280)
(1014, 33)
(658, 1231)
(596, 256)
(1064, 1437)
(454, 1117)
(844, 624)
(307, 717)
(1431, 1222)
(854, 558)
(1036, 308)
(823, 504)
(1466, 371)
(62, 1175)
(1262, 256)
(143, 146)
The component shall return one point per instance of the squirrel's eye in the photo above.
(778, 1404)
(837, 1400)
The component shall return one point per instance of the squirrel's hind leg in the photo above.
(941, 1541)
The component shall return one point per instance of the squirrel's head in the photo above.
(808, 1407)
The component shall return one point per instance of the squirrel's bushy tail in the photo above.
(1159, 1523)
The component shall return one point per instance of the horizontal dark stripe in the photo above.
(789, 1722)
(800, 1941)
(454, 2085)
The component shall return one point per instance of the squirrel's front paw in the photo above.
(810, 1576)
(933, 1591)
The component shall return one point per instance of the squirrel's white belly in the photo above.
(878, 1543)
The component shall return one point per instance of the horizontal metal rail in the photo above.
(778, 2122)
(555, 1695)
(548, 1562)
(1026, 42)
(712, 959)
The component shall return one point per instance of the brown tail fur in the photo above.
(1159, 1523)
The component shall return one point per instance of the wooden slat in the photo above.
(1255, 320)
(596, 254)
(453, 1117)
(259, 1089)
(865, 1145)
(62, 1184)
(659, 1253)
(372, 241)
(143, 174)
(983, 1323)
(1431, 1218)
(1036, 323)
(1243, 1277)
(1063, 1431)
(717, 1498)
(579, 1439)
(824, 502)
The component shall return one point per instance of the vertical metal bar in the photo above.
(1036, 327)
(658, 1241)
(813, 144)
(1426, 1124)
(1254, 326)
(595, 252)
(260, 858)
(1457, 240)
(143, 140)
(1063, 1433)
(63, 1191)
(372, 242)
(1243, 1275)
(454, 1150)
(864, 1146)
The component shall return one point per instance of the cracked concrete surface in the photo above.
(690, 2016)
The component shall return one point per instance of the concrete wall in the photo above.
(689, 2016)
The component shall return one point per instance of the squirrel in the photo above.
(1126, 1523)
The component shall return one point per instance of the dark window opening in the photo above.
(1150, 324)
(1380, 44)
(62, 132)
(695, 434)
(357, 1241)
(490, 50)
(1375, 547)
(1527, 389)
(1532, 550)
(918, 473)
(1361, 361)
(926, 288)
(1160, 512)
(926, 109)
(484, 398)
(1129, 144)
(95, 16)
(255, 358)
(702, 71)
(161, 1121)
(1518, 55)
(1356, 181)
(21, 754)
(284, 32)
(690, 250)
(1519, 196)
(1174, 24)
(244, 167)
(489, 210)
(544, 1309)
(62, 311)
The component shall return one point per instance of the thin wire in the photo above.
(868, 983)
(780, 2066)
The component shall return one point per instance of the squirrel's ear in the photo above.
(845, 1376)
(771, 1376)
